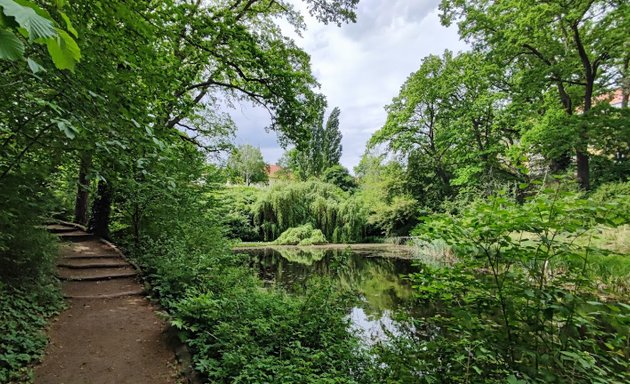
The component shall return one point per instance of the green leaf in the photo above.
(67, 128)
(35, 66)
(35, 25)
(11, 47)
(69, 26)
(64, 50)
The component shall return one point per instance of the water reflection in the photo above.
(383, 294)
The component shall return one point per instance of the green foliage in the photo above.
(239, 331)
(566, 54)
(29, 293)
(331, 140)
(24, 313)
(522, 302)
(339, 176)
(246, 164)
(617, 195)
(395, 218)
(28, 20)
(250, 335)
(239, 218)
(302, 235)
(323, 149)
(326, 207)
(449, 123)
(383, 191)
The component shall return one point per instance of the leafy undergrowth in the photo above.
(24, 312)
(29, 292)
(523, 303)
(241, 332)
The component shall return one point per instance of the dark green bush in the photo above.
(241, 332)
(24, 312)
(522, 304)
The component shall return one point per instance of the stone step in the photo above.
(120, 287)
(137, 292)
(77, 236)
(87, 248)
(60, 228)
(92, 274)
(109, 262)
(104, 258)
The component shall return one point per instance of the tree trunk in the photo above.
(101, 208)
(625, 83)
(560, 164)
(81, 202)
(581, 152)
(583, 170)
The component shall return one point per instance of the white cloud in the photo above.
(361, 68)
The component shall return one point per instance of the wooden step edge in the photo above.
(60, 231)
(97, 278)
(91, 257)
(72, 236)
(121, 264)
(78, 239)
(70, 224)
(137, 292)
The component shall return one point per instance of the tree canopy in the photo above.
(572, 49)
(246, 163)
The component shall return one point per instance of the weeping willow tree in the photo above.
(340, 217)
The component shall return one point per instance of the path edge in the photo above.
(181, 350)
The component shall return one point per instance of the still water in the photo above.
(376, 275)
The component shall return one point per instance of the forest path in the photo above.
(109, 333)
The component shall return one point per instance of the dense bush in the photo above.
(24, 312)
(617, 194)
(239, 218)
(522, 304)
(240, 332)
(302, 235)
(29, 293)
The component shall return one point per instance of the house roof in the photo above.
(273, 169)
(613, 98)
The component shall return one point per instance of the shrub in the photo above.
(248, 335)
(241, 332)
(302, 235)
(617, 195)
(522, 301)
(29, 293)
(24, 312)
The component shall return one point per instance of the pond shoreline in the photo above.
(392, 250)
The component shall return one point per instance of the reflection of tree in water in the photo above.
(376, 280)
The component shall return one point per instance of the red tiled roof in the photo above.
(272, 169)
(612, 98)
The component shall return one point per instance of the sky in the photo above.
(360, 67)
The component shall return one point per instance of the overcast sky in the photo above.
(360, 68)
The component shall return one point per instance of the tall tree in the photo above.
(567, 45)
(247, 164)
(331, 148)
(323, 148)
(446, 123)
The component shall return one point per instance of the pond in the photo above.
(374, 273)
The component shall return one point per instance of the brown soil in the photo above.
(98, 340)
(95, 273)
(87, 248)
(100, 288)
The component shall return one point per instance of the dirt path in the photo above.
(109, 333)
